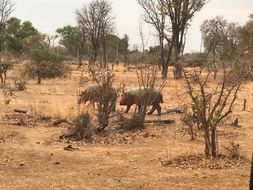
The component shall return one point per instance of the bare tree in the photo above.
(180, 13)
(144, 41)
(96, 19)
(171, 19)
(251, 174)
(125, 45)
(155, 15)
(210, 106)
(80, 36)
(6, 8)
(107, 27)
(219, 40)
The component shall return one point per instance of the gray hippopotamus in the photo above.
(94, 93)
(142, 96)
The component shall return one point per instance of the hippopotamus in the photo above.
(94, 93)
(141, 96)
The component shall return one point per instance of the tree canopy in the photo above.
(17, 32)
(44, 61)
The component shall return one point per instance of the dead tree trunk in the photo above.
(244, 104)
(213, 142)
(178, 70)
(39, 79)
(251, 175)
(79, 59)
(164, 71)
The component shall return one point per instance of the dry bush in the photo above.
(192, 124)
(6, 63)
(233, 150)
(135, 122)
(81, 129)
(44, 61)
(210, 106)
(20, 84)
(106, 95)
(7, 92)
(199, 161)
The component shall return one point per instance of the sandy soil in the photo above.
(31, 157)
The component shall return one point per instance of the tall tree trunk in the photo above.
(162, 59)
(251, 175)
(39, 79)
(214, 68)
(1, 77)
(125, 59)
(210, 143)
(178, 70)
(178, 67)
(164, 71)
(208, 148)
(5, 75)
(79, 59)
(213, 142)
(104, 49)
(104, 57)
(166, 62)
(90, 56)
(93, 56)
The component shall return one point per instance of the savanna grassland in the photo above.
(32, 157)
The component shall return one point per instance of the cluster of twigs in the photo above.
(210, 106)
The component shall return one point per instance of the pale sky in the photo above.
(48, 15)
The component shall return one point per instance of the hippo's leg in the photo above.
(128, 108)
(159, 109)
(114, 106)
(139, 108)
(155, 107)
(152, 110)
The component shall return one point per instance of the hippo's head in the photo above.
(126, 99)
(82, 98)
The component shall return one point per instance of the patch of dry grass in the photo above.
(199, 161)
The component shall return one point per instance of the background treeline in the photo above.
(93, 40)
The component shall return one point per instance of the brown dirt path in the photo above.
(31, 159)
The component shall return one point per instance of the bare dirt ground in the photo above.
(31, 157)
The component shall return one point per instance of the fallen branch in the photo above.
(59, 121)
(118, 125)
(70, 148)
(20, 111)
(174, 110)
(166, 121)
(18, 123)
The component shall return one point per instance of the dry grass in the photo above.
(120, 160)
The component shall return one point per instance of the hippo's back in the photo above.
(144, 94)
(93, 93)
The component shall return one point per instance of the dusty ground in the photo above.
(31, 157)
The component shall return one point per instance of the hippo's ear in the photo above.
(123, 93)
